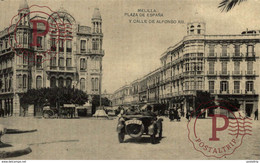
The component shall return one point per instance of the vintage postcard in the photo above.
(129, 80)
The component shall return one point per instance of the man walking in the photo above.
(256, 114)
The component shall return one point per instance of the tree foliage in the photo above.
(227, 5)
(204, 100)
(104, 101)
(53, 96)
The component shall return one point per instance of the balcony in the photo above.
(61, 69)
(237, 91)
(237, 55)
(223, 73)
(224, 92)
(250, 55)
(6, 91)
(224, 56)
(252, 92)
(250, 73)
(237, 73)
(212, 73)
(212, 55)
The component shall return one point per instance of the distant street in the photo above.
(89, 138)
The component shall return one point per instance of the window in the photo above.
(53, 82)
(6, 84)
(237, 50)
(95, 44)
(39, 42)
(61, 62)
(68, 62)
(83, 46)
(187, 85)
(224, 50)
(250, 67)
(61, 82)
(96, 84)
(38, 82)
(250, 50)
(68, 82)
(211, 67)
(53, 61)
(53, 44)
(82, 64)
(20, 81)
(39, 62)
(24, 81)
(224, 86)
(61, 45)
(82, 84)
(224, 68)
(25, 58)
(93, 84)
(236, 86)
(68, 44)
(236, 68)
(199, 85)
(211, 86)
(211, 50)
(249, 86)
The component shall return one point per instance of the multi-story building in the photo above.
(73, 60)
(224, 65)
(227, 66)
(122, 96)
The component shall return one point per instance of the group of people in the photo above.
(175, 114)
(136, 110)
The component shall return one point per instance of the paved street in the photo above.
(90, 138)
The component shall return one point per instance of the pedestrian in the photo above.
(256, 114)
(188, 115)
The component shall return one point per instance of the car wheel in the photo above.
(121, 137)
(153, 139)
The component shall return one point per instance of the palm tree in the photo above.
(227, 5)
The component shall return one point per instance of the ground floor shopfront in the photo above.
(248, 103)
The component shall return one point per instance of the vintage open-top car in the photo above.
(137, 125)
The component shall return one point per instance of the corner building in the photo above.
(78, 62)
(227, 66)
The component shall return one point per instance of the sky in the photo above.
(133, 49)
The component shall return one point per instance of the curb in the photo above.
(14, 153)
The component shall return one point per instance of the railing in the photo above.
(224, 92)
(237, 91)
(212, 55)
(224, 55)
(250, 92)
(223, 73)
(212, 73)
(250, 54)
(250, 73)
(237, 73)
(57, 68)
(237, 55)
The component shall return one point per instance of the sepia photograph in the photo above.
(129, 80)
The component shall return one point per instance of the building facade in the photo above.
(73, 60)
(227, 66)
